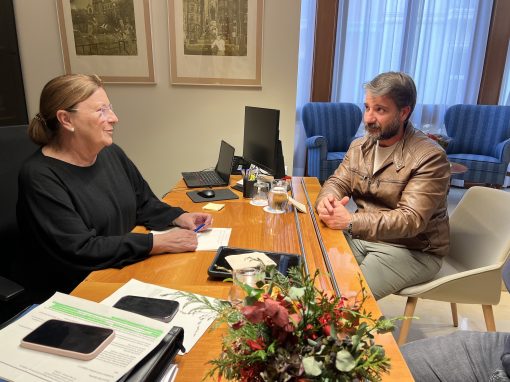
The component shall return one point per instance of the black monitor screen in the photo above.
(260, 144)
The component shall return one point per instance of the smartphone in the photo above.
(69, 339)
(156, 308)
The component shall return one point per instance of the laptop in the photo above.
(220, 176)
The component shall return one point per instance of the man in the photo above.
(399, 180)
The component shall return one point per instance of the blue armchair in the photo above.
(480, 140)
(330, 127)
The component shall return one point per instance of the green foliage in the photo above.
(289, 330)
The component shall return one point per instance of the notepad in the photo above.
(213, 206)
(213, 238)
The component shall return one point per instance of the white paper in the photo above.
(250, 259)
(213, 238)
(210, 239)
(160, 232)
(135, 336)
(194, 324)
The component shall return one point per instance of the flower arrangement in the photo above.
(288, 330)
(441, 139)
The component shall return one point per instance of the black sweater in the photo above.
(74, 220)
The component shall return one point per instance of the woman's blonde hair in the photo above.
(61, 93)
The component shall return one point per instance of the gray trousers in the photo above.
(388, 269)
(462, 356)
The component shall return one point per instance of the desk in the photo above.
(251, 228)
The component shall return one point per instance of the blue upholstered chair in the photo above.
(330, 127)
(480, 140)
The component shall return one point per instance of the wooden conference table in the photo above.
(323, 249)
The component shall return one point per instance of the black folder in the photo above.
(153, 366)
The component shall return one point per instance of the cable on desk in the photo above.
(325, 255)
(300, 236)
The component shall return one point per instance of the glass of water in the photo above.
(278, 197)
(249, 276)
(260, 193)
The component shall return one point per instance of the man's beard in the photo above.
(375, 131)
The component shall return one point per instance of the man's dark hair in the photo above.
(398, 86)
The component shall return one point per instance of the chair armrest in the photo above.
(316, 141)
(502, 151)
(9, 289)
(317, 151)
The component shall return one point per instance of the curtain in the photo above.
(441, 44)
(304, 81)
(504, 95)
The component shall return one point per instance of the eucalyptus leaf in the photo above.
(344, 361)
(312, 367)
(321, 349)
(355, 341)
(296, 293)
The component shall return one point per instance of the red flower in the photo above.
(325, 318)
(256, 345)
(274, 313)
(250, 373)
(254, 313)
(277, 313)
(238, 325)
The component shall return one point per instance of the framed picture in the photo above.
(215, 42)
(110, 38)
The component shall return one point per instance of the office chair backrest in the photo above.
(480, 228)
(15, 147)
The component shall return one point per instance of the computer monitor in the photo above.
(261, 146)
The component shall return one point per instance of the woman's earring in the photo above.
(72, 129)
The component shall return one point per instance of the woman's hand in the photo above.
(182, 239)
(173, 241)
(191, 220)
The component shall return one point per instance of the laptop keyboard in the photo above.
(208, 177)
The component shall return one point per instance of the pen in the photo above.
(199, 227)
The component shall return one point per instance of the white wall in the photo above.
(166, 129)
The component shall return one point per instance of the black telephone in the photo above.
(238, 163)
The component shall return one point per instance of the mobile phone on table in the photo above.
(156, 308)
(69, 339)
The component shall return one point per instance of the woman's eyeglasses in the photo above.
(103, 110)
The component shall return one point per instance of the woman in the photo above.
(80, 195)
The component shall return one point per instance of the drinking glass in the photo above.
(278, 197)
(261, 189)
(249, 276)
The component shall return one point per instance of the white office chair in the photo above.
(479, 247)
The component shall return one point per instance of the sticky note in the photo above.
(213, 206)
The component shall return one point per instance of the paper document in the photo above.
(251, 259)
(213, 238)
(194, 324)
(210, 239)
(135, 337)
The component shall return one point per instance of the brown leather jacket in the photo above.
(404, 202)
